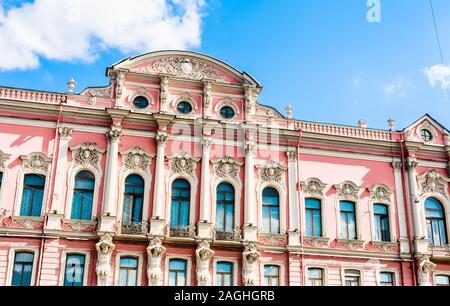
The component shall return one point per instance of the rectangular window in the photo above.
(74, 272)
(442, 280)
(128, 271)
(352, 278)
(348, 220)
(381, 221)
(224, 274)
(313, 217)
(271, 276)
(23, 269)
(1, 179)
(387, 279)
(177, 272)
(315, 277)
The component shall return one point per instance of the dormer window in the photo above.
(184, 108)
(141, 102)
(227, 112)
(426, 135)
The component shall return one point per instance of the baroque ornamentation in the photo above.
(183, 163)
(105, 92)
(87, 154)
(250, 262)
(120, 79)
(136, 159)
(313, 186)
(411, 164)
(65, 132)
(433, 182)
(397, 165)
(114, 134)
(291, 154)
(226, 167)
(380, 193)
(425, 269)
(272, 172)
(3, 159)
(155, 252)
(203, 255)
(161, 138)
(347, 190)
(36, 162)
(250, 147)
(235, 235)
(29, 223)
(186, 68)
(351, 244)
(164, 92)
(251, 95)
(182, 231)
(207, 97)
(105, 248)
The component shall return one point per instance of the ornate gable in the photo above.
(272, 172)
(87, 154)
(136, 159)
(313, 187)
(426, 123)
(347, 191)
(433, 182)
(380, 193)
(36, 162)
(183, 163)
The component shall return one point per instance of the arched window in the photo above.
(435, 217)
(1, 179)
(33, 195)
(133, 200)
(83, 194)
(225, 208)
(271, 211)
(381, 222)
(181, 197)
(23, 269)
(313, 216)
(177, 272)
(348, 220)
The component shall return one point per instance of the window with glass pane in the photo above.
(315, 277)
(128, 271)
(271, 211)
(181, 197)
(224, 274)
(177, 272)
(1, 179)
(435, 217)
(352, 278)
(225, 208)
(133, 200)
(23, 269)
(74, 273)
(348, 220)
(387, 279)
(83, 195)
(271, 276)
(33, 195)
(381, 221)
(313, 216)
(442, 280)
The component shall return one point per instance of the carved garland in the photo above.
(313, 187)
(434, 182)
(36, 162)
(87, 154)
(347, 191)
(3, 159)
(183, 163)
(380, 193)
(272, 172)
(136, 159)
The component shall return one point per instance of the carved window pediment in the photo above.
(87, 154)
(227, 167)
(313, 186)
(3, 159)
(433, 182)
(272, 172)
(380, 193)
(36, 162)
(136, 159)
(227, 102)
(183, 163)
(347, 191)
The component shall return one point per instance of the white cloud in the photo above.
(77, 30)
(396, 88)
(439, 75)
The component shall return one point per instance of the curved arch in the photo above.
(282, 203)
(237, 198)
(226, 102)
(436, 217)
(192, 203)
(141, 92)
(89, 177)
(184, 97)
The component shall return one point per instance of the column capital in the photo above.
(291, 154)
(250, 147)
(207, 142)
(114, 134)
(411, 164)
(397, 165)
(65, 132)
(161, 138)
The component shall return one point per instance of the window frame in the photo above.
(441, 200)
(141, 92)
(270, 262)
(139, 256)
(350, 268)
(357, 229)
(93, 195)
(440, 273)
(87, 261)
(194, 187)
(389, 216)
(215, 203)
(11, 259)
(322, 213)
(395, 280)
(187, 258)
(234, 262)
(318, 267)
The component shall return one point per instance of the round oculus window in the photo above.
(141, 102)
(184, 107)
(227, 112)
(426, 135)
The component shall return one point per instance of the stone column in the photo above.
(157, 223)
(108, 218)
(57, 212)
(294, 226)
(204, 224)
(250, 208)
(404, 241)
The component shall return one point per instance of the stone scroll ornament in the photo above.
(203, 255)
(425, 268)
(105, 248)
(155, 252)
(250, 259)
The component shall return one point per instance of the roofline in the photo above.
(432, 118)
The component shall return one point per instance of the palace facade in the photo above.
(174, 174)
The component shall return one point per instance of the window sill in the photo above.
(317, 241)
(80, 225)
(385, 245)
(28, 222)
(351, 244)
(273, 238)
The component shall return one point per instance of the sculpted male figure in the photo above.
(155, 252)
(425, 268)
(250, 258)
(203, 255)
(104, 248)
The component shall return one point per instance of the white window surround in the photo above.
(87, 261)
(323, 212)
(141, 92)
(184, 97)
(38, 170)
(353, 199)
(445, 204)
(394, 273)
(3, 169)
(193, 182)
(374, 200)
(188, 259)
(347, 268)
(237, 185)
(233, 261)
(226, 102)
(11, 255)
(439, 273)
(279, 264)
(140, 258)
(282, 196)
(324, 273)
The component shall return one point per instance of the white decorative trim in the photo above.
(140, 264)
(233, 261)
(279, 264)
(141, 92)
(184, 97)
(361, 275)
(393, 271)
(11, 255)
(426, 125)
(445, 204)
(439, 273)
(282, 194)
(226, 102)
(188, 259)
(87, 261)
(347, 191)
(324, 269)
(433, 182)
(381, 194)
(314, 188)
(3, 169)
(87, 154)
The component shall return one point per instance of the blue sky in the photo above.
(322, 56)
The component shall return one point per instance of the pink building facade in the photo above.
(174, 174)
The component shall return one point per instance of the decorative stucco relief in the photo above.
(433, 182)
(313, 187)
(87, 154)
